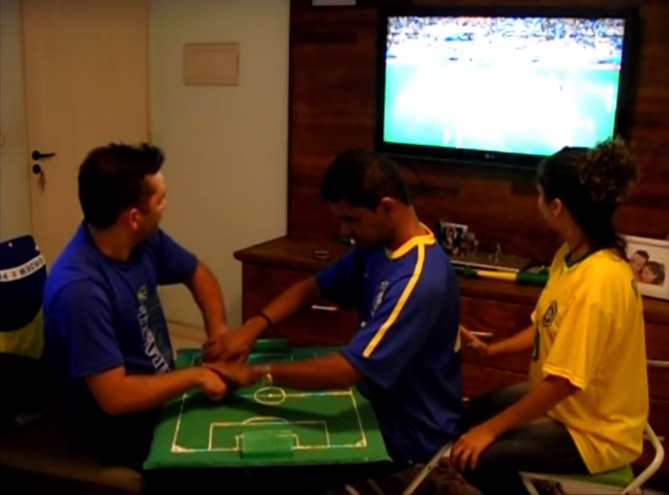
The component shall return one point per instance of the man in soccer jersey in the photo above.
(105, 331)
(405, 355)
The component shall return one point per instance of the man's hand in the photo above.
(214, 332)
(212, 385)
(479, 347)
(239, 374)
(470, 446)
(231, 345)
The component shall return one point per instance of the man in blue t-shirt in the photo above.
(105, 331)
(405, 355)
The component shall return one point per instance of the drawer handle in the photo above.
(654, 363)
(321, 307)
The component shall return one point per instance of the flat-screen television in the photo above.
(502, 85)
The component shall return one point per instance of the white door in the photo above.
(86, 85)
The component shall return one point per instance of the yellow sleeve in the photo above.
(579, 344)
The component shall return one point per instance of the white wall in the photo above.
(226, 147)
(14, 173)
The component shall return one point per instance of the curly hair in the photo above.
(592, 183)
(609, 172)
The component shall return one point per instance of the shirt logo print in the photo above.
(380, 293)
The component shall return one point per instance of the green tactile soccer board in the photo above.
(262, 426)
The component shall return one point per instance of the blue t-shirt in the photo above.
(100, 314)
(407, 344)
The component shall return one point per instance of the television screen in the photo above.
(501, 84)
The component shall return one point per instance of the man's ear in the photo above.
(557, 207)
(132, 217)
(387, 206)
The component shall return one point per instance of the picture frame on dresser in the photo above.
(649, 259)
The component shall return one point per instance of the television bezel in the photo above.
(627, 81)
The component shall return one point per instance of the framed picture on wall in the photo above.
(649, 259)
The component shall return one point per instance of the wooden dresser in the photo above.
(501, 308)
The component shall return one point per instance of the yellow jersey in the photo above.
(590, 331)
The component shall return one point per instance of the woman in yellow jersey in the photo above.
(585, 404)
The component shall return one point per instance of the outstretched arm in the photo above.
(176, 265)
(237, 344)
(82, 313)
(209, 298)
(520, 342)
(283, 307)
(321, 373)
(336, 282)
(379, 350)
(116, 392)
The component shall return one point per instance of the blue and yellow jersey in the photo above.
(407, 347)
(22, 277)
(590, 331)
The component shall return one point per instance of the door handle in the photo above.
(37, 155)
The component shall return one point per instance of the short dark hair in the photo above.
(592, 183)
(363, 178)
(643, 253)
(112, 178)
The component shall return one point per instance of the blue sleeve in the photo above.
(341, 282)
(174, 264)
(84, 315)
(402, 323)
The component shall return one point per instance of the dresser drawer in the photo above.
(659, 417)
(479, 380)
(657, 352)
(318, 328)
(657, 341)
(658, 381)
(323, 323)
(497, 321)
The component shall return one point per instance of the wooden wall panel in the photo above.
(332, 99)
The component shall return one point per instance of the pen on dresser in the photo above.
(485, 335)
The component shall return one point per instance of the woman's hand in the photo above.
(470, 446)
(479, 347)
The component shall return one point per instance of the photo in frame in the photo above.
(452, 237)
(649, 259)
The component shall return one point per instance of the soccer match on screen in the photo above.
(514, 85)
